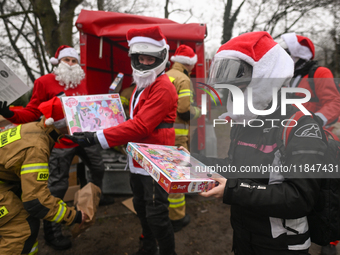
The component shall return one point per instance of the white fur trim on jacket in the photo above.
(184, 60)
(273, 70)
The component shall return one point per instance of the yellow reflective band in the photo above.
(42, 176)
(184, 91)
(10, 136)
(34, 168)
(181, 131)
(124, 100)
(3, 211)
(177, 205)
(61, 212)
(2, 182)
(176, 202)
(34, 249)
(184, 95)
(172, 79)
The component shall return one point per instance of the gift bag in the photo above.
(87, 200)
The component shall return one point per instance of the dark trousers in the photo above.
(59, 165)
(151, 204)
(243, 245)
(60, 162)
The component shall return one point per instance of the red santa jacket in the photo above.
(45, 88)
(156, 104)
(328, 107)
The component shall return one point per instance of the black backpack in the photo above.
(324, 220)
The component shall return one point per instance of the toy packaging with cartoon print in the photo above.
(175, 170)
(92, 113)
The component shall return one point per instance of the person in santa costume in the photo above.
(66, 79)
(269, 209)
(152, 113)
(184, 62)
(325, 101)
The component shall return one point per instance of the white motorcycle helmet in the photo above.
(143, 48)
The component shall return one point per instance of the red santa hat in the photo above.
(152, 35)
(64, 51)
(53, 111)
(184, 55)
(272, 67)
(299, 46)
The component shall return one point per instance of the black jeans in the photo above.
(151, 203)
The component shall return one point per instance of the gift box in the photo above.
(92, 113)
(175, 170)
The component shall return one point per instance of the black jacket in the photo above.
(272, 207)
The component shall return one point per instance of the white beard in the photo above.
(69, 76)
(143, 82)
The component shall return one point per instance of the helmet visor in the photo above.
(136, 64)
(230, 71)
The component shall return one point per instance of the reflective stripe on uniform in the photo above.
(61, 212)
(181, 129)
(34, 249)
(177, 202)
(34, 168)
(184, 93)
(172, 79)
(2, 182)
(184, 132)
(125, 101)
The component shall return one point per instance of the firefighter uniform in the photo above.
(179, 76)
(24, 196)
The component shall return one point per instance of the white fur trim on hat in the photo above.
(49, 121)
(142, 39)
(69, 52)
(54, 61)
(274, 69)
(184, 60)
(295, 48)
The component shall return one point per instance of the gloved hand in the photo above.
(4, 110)
(84, 139)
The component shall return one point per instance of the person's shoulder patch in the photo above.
(3, 211)
(309, 130)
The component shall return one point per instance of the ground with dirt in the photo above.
(117, 231)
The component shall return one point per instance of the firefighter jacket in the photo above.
(25, 151)
(272, 206)
(152, 114)
(179, 76)
(327, 105)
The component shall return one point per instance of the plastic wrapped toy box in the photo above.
(92, 113)
(173, 169)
